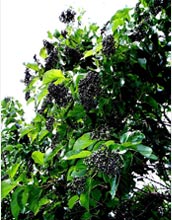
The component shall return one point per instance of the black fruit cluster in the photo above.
(49, 123)
(47, 101)
(27, 96)
(28, 77)
(89, 89)
(102, 133)
(108, 45)
(60, 94)
(51, 60)
(67, 16)
(72, 57)
(105, 161)
(55, 140)
(48, 46)
(77, 186)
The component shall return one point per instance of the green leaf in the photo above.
(42, 94)
(83, 142)
(34, 134)
(144, 150)
(88, 53)
(84, 200)
(13, 170)
(34, 198)
(134, 137)
(114, 186)
(43, 53)
(15, 207)
(38, 157)
(32, 66)
(26, 130)
(6, 187)
(82, 154)
(72, 201)
(42, 134)
(96, 194)
(151, 101)
(52, 75)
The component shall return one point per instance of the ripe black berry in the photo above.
(28, 77)
(51, 60)
(67, 16)
(27, 96)
(105, 161)
(108, 45)
(89, 89)
(60, 93)
(49, 47)
(77, 186)
(49, 123)
(72, 57)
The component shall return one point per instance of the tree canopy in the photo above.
(98, 146)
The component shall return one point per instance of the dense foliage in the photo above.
(98, 146)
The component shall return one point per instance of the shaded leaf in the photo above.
(72, 201)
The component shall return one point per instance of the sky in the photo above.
(24, 25)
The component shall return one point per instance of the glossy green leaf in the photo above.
(13, 170)
(134, 137)
(83, 142)
(72, 201)
(26, 130)
(88, 53)
(84, 200)
(43, 53)
(15, 206)
(32, 66)
(114, 186)
(52, 75)
(38, 157)
(82, 154)
(144, 150)
(6, 187)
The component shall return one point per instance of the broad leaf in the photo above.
(13, 170)
(144, 150)
(83, 142)
(6, 187)
(72, 201)
(52, 75)
(84, 200)
(82, 154)
(38, 157)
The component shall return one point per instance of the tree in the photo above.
(101, 125)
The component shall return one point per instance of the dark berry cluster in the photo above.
(60, 93)
(37, 60)
(49, 123)
(27, 96)
(108, 45)
(51, 60)
(67, 16)
(77, 186)
(89, 89)
(47, 101)
(64, 33)
(102, 133)
(28, 77)
(72, 56)
(105, 161)
(55, 139)
(138, 34)
(49, 47)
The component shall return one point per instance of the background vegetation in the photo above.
(100, 134)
